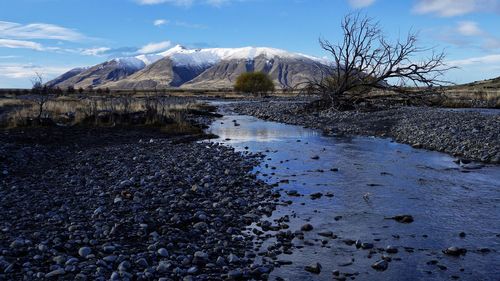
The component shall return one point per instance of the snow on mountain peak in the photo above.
(130, 62)
(182, 56)
(203, 57)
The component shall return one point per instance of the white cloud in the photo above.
(17, 71)
(160, 22)
(175, 2)
(188, 3)
(20, 44)
(95, 51)
(451, 8)
(469, 28)
(14, 30)
(467, 34)
(155, 47)
(360, 3)
(484, 60)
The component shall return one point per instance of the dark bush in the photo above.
(256, 83)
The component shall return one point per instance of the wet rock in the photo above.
(294, 193)
(307, 227)
(349, 242)
(366, 246)
(391, 249)
(346, 263)
(380, 265)
(316, 195)
(325, 233)
(484, 250)
(402, 218)
(455, 251)
(314, 268)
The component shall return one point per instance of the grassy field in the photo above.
(162, 112)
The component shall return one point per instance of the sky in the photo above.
(53, 36)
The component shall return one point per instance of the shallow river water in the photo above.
(376, 179)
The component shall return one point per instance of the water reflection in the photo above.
(255, 131)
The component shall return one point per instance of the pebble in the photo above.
(232, 258)
(55, 273)
(391, 249)
(314, 268)
(380, 265)
(84, 252)
(162, 252)
(455, 251)
(307, 227)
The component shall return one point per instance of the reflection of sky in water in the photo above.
(398, 179)
(256, 131)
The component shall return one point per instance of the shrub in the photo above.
(70, 90)
(256, 83)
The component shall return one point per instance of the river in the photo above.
(373, 179)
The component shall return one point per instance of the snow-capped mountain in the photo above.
(195, 68)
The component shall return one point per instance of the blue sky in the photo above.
(53, 36)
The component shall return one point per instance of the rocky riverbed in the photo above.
(467, 135)
(367, 208)
(139, 206)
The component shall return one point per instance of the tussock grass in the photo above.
(124, 110)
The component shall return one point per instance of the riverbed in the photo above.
(372, 179)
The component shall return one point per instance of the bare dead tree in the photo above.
(41, 94)
(365, 59)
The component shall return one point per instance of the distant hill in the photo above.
(485, 84)
(212, 68)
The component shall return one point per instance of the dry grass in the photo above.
(70, 111)
(472, 98)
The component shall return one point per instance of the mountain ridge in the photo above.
(195, 68)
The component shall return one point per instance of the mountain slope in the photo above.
(286, 72)
(100, 74)
(66, 76)
(196, 68)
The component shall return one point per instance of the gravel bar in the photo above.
(144, 209)
(464, 134)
